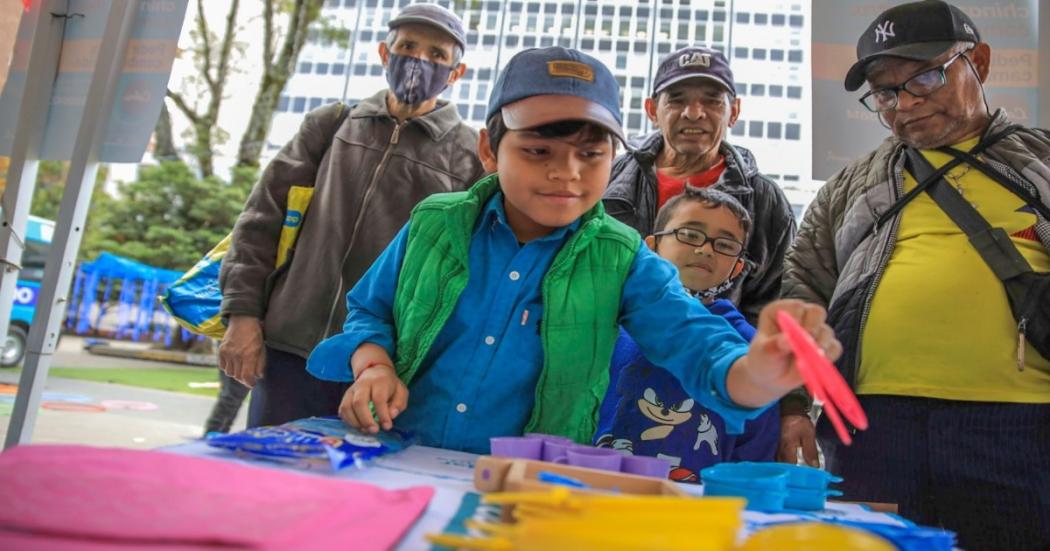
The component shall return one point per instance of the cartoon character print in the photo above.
(666, 416)
(706, 434)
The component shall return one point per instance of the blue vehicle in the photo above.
(37, 242)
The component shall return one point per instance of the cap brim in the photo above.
(921, 51)
(680, 78)
(417, 20)
(540, 110)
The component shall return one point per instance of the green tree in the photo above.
(168, 217)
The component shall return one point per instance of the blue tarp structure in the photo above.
(140, 285)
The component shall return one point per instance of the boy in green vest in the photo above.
(498, 308)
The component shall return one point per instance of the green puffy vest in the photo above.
(581, 301)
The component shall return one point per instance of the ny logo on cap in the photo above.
(883, 31)
(695, 59)
(968, 29)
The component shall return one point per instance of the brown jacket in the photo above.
(365, 184)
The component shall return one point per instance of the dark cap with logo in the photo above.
(919, 31)
(432, 15)
(694, 62)
(582, 87)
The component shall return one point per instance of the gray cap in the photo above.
(434, 16)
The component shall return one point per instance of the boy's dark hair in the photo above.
(588, 131)
(710, 198)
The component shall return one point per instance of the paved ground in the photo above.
(176, 418)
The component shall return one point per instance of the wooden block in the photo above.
(496, 474)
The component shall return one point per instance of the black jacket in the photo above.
(632, 197)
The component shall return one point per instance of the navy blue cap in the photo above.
(694, 62)
(434, 16)
(919, 31)
(585, 87)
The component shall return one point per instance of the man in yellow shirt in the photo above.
(959, 402)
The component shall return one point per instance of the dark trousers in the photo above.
(224, 412)
(980, 469)
(288, 392)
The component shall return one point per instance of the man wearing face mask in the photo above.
(368, 167)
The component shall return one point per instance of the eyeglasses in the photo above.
(697, 238)
(920, 85)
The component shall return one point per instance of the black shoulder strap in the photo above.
(940, 172)
(993, 244)
(990, 171)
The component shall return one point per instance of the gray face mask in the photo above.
(415, 80)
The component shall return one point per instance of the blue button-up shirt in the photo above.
(479, 377)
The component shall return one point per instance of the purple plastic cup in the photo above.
(516, 446)
(594, 458)
(556, 451)
(550, 438)
(645, 466)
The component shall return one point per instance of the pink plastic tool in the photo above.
(822, 379)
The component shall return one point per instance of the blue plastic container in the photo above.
(801, 476)
(757, 499)
(762, 484)
(808, 499)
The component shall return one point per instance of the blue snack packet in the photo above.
(311, 442)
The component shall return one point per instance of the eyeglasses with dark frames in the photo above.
(920, 85)
(697, 238)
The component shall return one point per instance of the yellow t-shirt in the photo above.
(940, 324)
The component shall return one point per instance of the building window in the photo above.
(483, 90)
(738, 128)
(306, 67)
(777, 20)
(315, 103)
(761, 18)
(464, 111)
(743, 17)
(634, 121)
(754, 129)
(740, 53)
(776, 90)
(479, 113)
(758, 89)
(376, 71)
(299, 105)
(776, 55)
(322, 68)
(758, 53)
(338, 68)
(529, 41)
(360, 70)
(795, 20)
(621, 61)
(795, 56)
(791, 131)
(794, 92)
(282, 103)
(773, 130)
(741, 89)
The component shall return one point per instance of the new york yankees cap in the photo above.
(694, 62)
(919, 31)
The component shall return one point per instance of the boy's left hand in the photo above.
(769, 370)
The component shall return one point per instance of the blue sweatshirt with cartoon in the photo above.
(646, 412)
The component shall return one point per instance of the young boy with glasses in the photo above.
(646, 411)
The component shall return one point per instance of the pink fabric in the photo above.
(79, 497)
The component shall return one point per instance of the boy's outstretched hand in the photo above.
(768, 370)
(375, 384)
